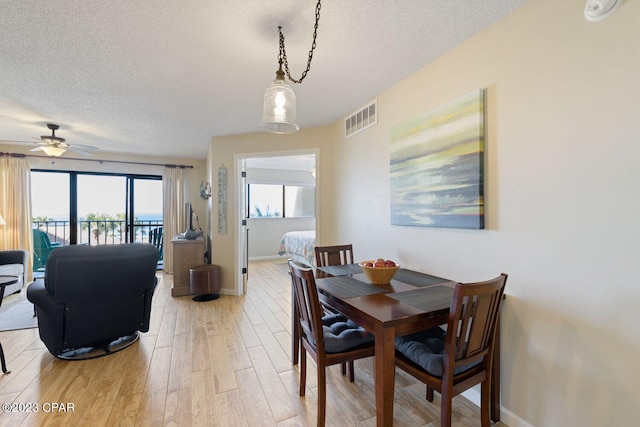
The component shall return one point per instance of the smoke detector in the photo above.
(597, 10)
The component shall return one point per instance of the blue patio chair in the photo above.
(156, 239)
(42, 248)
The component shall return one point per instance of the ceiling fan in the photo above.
(55, 146)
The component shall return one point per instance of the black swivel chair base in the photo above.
(114, 346)
(206, 297)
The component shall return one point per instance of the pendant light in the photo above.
(279, 109)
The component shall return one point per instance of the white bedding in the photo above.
(299, 246)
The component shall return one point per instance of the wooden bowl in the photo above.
(379, 275)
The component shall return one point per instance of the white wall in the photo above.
(280, 176)
(265, 234)
(227, 150)
(562, 155)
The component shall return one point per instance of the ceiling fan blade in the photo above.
(85, 147)
(54, 145)
(75, 149)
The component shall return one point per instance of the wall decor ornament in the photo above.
(205, 190)
(437, 176)
(222, 199)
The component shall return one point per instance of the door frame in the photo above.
(239, 161)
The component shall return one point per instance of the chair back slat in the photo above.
(473, 315)
(333, 255)
(308, 304)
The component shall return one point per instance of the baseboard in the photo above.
(260, 258)
(512, 420)
(506, 416)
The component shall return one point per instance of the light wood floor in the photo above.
(218, 363)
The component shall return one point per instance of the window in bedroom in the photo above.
(265, 201)
(280, 201)
(299, 201)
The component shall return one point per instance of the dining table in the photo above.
(411, 302)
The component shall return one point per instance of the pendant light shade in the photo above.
(279, 111)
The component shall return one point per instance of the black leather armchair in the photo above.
(94, 299)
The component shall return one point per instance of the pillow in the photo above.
(342, 333)
(426, 349)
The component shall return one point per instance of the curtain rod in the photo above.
(166, 165)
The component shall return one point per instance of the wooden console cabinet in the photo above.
(186, 254)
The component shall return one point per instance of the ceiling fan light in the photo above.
(279, 111)
(53, 151)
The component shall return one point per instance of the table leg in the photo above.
(385, 376)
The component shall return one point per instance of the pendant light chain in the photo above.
(282, 56)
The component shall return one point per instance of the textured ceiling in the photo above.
(163, 77)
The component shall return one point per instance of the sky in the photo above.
(96, 194)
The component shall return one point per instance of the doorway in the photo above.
(271, 188)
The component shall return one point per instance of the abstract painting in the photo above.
(437, 166)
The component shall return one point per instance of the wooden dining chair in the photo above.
(453, 361)
(333, 255)
(325, 256)
(329, 342)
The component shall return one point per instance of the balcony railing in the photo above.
(98, 232)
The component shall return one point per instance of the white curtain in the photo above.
(15, 206)
(173, 202)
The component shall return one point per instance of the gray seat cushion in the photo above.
(426, 349)
(342, 333)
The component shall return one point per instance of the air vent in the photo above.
(362, 119)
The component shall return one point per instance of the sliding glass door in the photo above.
(95, 209)
(102, 209)
(145, 224)
(50, 201)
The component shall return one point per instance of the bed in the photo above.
(299, 246)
